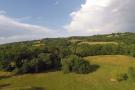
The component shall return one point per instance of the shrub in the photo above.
(132, 54)
(66, 65)
(25, 67)
(131, 72)
(5, 66)
(32, 88)
(17, 71)
(122, 77)
(75, 64)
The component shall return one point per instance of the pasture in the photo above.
(109, 67)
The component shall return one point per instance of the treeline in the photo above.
(26, 58)
(126, 38)
(126, 44)
(57, 54)
(84, 50)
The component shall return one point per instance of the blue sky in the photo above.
(52, 13)
(22, 20)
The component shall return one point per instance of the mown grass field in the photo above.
(95, 43)
(110, 66)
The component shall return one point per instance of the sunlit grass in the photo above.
(110, 66)
(95, 43)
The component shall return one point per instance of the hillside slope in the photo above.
(110, 67)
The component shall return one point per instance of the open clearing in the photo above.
(110, 66)
(94, 43)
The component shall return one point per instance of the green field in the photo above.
(94, 43)
(109, 68)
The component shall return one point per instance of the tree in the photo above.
(45, 61)
(75, 64)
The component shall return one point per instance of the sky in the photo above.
(22, 20)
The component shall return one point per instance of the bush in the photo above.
(66, 65)
(17, 71)
(26, 67)
(75, 64)
(131, 72)
(32, 88)
(122, 77)
(5, 66)
(132, 54)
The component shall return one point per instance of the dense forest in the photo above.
(63, 53)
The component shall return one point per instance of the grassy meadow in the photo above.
(109, 67)
(96, 43)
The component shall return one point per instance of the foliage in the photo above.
(46, 54)
(131, 72)
(122, 77)
(110, 65)
(32, 88)
(75, 64)
(92, 50)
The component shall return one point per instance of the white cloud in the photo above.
(103, 16)
(94, 17)
(2, 12)
(12, 30)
